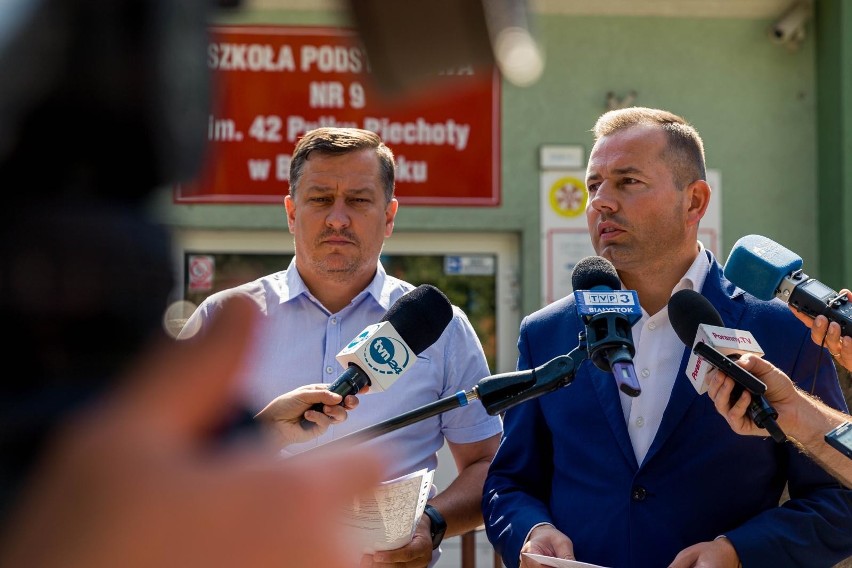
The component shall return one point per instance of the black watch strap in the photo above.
(438, 525)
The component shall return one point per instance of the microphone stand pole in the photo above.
(497, 393)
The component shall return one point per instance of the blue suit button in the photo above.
(639, 493)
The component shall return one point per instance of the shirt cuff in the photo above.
(739, 564)
(532, 528)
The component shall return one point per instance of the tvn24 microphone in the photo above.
(381, 353)
(697, 323)
(766, 269)
(608, 312)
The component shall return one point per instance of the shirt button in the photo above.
(652, 326)
(329, 370)
(333, 320)
(646, 373)
(638, 493)
(640, 422)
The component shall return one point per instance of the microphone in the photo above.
(498, 393)
(381, 353)
(696, 322)
(765, 269)
(608, 313)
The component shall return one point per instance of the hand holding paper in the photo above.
(387, 521)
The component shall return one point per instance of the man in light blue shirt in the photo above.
(340, 210)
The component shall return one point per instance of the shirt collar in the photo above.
(293, 287)
(696, 274)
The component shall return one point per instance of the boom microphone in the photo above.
(766, 269)
(696, 322)
(497, 393)
(381, 353)
(608, 312)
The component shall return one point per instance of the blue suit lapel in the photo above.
(610, 401)
(604, 387)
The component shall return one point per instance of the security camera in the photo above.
(790, 27)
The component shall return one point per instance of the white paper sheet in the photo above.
(388, 519)
(559, 562)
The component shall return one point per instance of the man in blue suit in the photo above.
(591, 474)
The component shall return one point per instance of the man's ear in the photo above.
(698, 198)
(390, 215)
(290, 207)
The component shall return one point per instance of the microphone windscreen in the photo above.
(420, 316)
(687, 310)
(758, 265)
(594, 271)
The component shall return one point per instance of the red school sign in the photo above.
(272, 84)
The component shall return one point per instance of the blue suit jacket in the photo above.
(566, 458)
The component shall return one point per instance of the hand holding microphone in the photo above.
(696, 322)
(818, 429)
(733, 407)
(285, 416)
(828, 334)
(381, 353)
(767, 270)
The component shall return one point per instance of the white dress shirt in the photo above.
(657, 361)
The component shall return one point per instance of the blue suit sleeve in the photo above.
(813, 527)
(510, 508)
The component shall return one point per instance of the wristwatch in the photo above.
(438, 525)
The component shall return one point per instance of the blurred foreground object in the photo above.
(101, 97)
(101, 101)
(410, 43)
(133, 481)
(111, 434)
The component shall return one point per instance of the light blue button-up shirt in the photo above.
(296, 342)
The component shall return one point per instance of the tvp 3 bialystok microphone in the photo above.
(608, 312)
(695, 320)
(765, 269)
(384, 351)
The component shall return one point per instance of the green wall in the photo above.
(753, 101)
(834, 19)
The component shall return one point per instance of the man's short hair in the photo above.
(684, 151)
(335, 141)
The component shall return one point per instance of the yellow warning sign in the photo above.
(568, 197)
